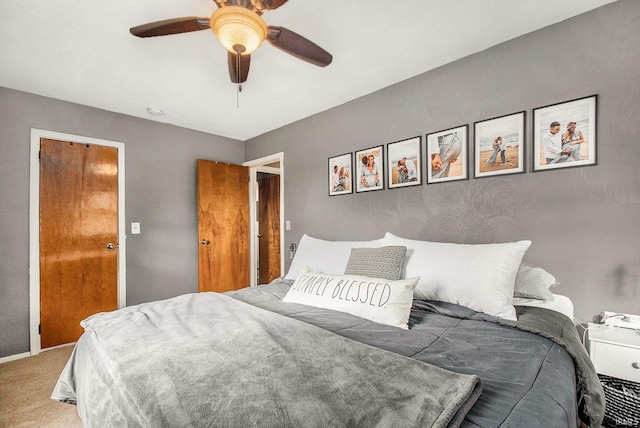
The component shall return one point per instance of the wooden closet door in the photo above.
(223, 226)
(78, 236)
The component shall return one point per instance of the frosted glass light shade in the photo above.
(237, 26)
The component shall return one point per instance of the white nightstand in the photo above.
(615, 351)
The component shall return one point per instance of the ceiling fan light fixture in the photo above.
(237, 27)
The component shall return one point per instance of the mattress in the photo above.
(560, 303)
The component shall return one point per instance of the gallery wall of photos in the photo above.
(563, 135)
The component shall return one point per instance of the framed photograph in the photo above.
(447, 155)
(564, 134)
(340, 175)
(404, 159)
(499, 145)
(369, 169)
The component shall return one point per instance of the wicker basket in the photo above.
(623, 402)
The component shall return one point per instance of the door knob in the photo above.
(110, 246)
(204, 241)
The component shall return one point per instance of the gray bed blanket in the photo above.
(208, 360)
(560, 329)
(535, 380)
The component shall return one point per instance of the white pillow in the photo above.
(534, 283)
(324, 256)
(480, 277)
(376, 299)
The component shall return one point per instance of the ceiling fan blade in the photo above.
(272, 4)
(259, 5)
(171, 26)
(243, 61)
(298, 46)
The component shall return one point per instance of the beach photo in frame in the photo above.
(447, 155)
(499, 145)
(340, 175)
(369, 169)
(564, 134)
(404, 159)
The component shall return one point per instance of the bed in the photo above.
(264, 356)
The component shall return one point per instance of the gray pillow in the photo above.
(383, 262)
(534, 283)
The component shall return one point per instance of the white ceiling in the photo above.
(81, 51)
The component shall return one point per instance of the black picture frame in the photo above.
(404, 165)
(499, 145)
(340, 174)
(365, 180)
(583, 114)
(448, 155)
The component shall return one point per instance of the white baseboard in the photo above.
(14, 357)
(28, 354)
(64, 345)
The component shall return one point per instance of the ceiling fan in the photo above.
(239, 26)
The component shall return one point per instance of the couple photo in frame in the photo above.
(405, 163)
(367, 174)
(340, 175)
(369, 168)
(446, 160)
(499, 145)
(564, 134)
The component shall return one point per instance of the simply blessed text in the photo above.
(354, 290)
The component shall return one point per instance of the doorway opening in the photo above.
(261, 247)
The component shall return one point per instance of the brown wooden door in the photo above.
(78, 219)
(269, 228)
(223, 226)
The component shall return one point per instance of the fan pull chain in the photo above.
(238, 87)
(239, 49)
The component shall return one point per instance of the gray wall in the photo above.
(583, 221)
(160, 167)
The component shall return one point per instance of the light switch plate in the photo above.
(135, 228)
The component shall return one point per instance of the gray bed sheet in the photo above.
(534, 372)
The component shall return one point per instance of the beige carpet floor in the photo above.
(25, 391)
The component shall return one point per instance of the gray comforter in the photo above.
(529, 380)
(209, 360)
